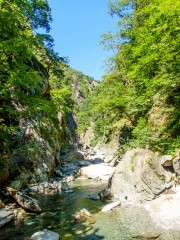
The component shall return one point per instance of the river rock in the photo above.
(94, 196)
(49, 187)
(64, 185)
(83, 229)
(72, 156)
(45, 235)
(58, 173)
(25, 201)
(19, 213)
(167, 161)
(5, 216)
(176, 166)
(99, 171)
(146, 236)
(105, 193)
(139, 177)
(111, 206)
(84, 216)
(97, 160)
(83, 163)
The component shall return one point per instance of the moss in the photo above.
(94, 142)
(132, 168)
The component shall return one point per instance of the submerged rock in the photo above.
(83, 229)
(45, 235)
(111, 206)
(94, 196)
(5, 216)
(84, 216)
(146, 236)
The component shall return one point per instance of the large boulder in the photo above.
(140, 177)
(97, 171)
(73, 156)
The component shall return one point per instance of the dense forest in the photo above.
(37, 87)
(139, 98)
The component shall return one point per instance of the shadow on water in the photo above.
(93, 236)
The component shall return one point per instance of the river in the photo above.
(58, 215)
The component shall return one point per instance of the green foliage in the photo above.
(142, 132)
(94, 142)
(31, 73)
(146, 64)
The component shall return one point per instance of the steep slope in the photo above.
(81, 86)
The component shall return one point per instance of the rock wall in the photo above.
(140, 177)
(39, 155)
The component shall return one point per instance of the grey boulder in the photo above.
(140, 177)
(45, 235)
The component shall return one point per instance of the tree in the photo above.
(22, 76)
(145, 75)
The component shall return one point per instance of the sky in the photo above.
(77, 28)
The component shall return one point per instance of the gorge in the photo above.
(70, 144)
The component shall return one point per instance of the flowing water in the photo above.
(58, 215)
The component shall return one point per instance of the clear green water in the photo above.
(58, 211)
(120, 224)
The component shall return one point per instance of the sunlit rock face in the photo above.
(140, 177)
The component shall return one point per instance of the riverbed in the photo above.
(122, 223)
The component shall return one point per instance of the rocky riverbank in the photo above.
(162, 212)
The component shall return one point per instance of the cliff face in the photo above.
(140, 176)
(81, 86)
(35, 146)
(35, 160)
(42, 133)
